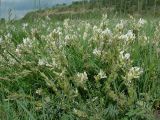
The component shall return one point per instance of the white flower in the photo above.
(42, 62)
(66, 23)
(9, 35)
(102, 74)
(120, 25)
(39, 91)
(121, 53)
(134, 72)
(124, 56)
(82, 77)
(26, 41)
(95, 28)
(141, 22)
(97, 52)
(128, 36)
(107, 32)
(105, 16)
(127, 56)
(123, 37)
(24, 25)
(137, 69)
(67, 37)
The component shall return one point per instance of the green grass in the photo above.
(56, 74)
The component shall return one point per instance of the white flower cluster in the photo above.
(124, 56)
(8, 36)
(97, 30)
(42, 62)
(82, 77)
(26, 41)
(97, 52)
(24, 25)
(107, 33)
(66, 23)
(129, 36)
(101, 75)
(88, 40)
(137, 25)
(120, 26)
(104, 21)
(134, 73)
(56, 33)
(141, 22)
(26, 45)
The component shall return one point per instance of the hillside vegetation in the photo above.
(96, 8)
(87, 64)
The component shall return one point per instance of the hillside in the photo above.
(85, 9)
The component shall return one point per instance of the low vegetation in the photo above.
(106, 68)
